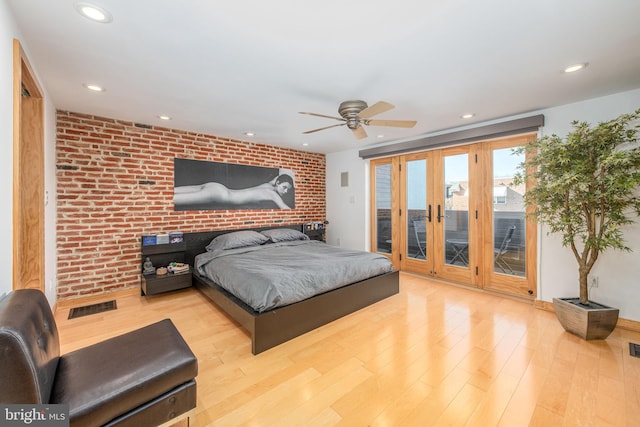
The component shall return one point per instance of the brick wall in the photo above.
(115, 183)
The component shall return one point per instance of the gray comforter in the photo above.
(277, 274)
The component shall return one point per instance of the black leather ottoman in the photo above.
(113, 377)
(145, 377)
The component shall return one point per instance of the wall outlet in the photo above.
(594, 281)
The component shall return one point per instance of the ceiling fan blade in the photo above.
(326, 127)
(392, 123)
(321, 115)
(377, 108)
(359, 132)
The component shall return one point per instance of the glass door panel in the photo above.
(383, 199)
(416, 210)
(456, 210)
(509, 215)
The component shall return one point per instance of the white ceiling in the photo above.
(225, 67)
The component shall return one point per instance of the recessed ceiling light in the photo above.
(467, 115)
(164, 117)
(249, 133)
(93, 12)
(93, 87)
(305, 144)
(381, 136)
(575, 67)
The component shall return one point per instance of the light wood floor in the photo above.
(435, 354)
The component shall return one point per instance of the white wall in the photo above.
(9, 31)
(618, 273)
(347, 207)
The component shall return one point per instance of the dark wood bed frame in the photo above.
(270, 328)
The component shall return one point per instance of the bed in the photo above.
(274, 320)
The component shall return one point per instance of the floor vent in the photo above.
(92, 309)
(634, 349)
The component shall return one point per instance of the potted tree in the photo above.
(585, 188)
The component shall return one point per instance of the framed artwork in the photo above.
(203, 185)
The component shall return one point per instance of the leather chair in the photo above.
(141, 378)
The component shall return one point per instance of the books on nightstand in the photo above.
(178, 267)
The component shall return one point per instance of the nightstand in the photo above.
(161, 256)
(315, 231)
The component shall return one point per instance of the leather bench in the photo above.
(141, 378)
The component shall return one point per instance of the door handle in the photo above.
(429, 213)
(440, 216)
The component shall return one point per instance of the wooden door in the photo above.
(28, 176)
(509, 238)
(455, 213)
(417, 213)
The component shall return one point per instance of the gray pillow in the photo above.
(284, 235)
(236, 239)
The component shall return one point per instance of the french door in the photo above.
(454, 214)
(438, 234)
(509, 238)
(417, 213)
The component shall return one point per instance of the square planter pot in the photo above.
(595, 322)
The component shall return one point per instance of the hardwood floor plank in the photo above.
(543, 417)
(523, 403)
(489, 370)
(494, 403)
(319, 395)
(461, 407)
(433, 406)
(555, 392)
(401, 407)
(435, 354)
(264, 403)
(581, 402)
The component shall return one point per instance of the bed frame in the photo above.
(270, 328)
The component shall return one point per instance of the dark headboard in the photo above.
(197, 242)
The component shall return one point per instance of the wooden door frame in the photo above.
(28, 175)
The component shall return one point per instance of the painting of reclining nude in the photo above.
(203, 185)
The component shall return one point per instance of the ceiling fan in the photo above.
(357, 113)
